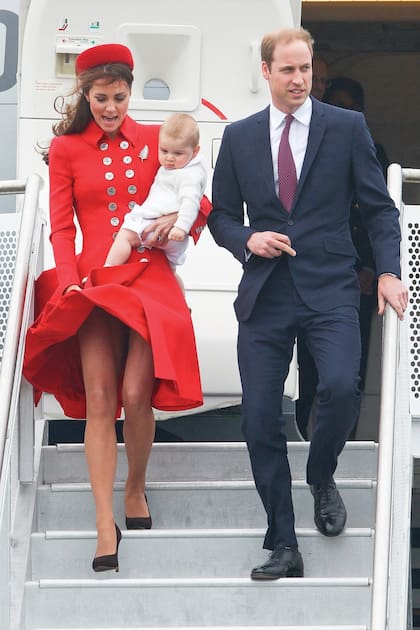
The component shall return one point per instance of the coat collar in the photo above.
(316, 133)
(93, 134)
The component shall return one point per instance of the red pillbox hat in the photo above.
(103, 55)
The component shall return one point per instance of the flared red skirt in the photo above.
(143, 295)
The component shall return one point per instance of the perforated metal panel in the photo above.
(411, 267)
(8, 242)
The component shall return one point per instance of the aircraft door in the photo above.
(9, 37)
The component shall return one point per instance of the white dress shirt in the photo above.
(298, 135)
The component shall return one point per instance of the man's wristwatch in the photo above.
(388, 273)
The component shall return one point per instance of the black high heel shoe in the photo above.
(109, 562)
(139, 522)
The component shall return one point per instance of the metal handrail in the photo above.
(386, 451)
(410, 175)
(11, 186)
(385, 458)
(31, 189)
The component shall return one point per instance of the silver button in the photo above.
(115, 221)
(140, 249)
(124, 144)
(107, 160)
(132, 189)
(103, 146)
(127, 159)
(112, 206)
(109, 175)
(111, 191)
(130, 173)
(131, 204)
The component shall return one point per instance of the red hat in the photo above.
(103, 55)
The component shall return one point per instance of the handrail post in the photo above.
(23, 250)
(385, 458)
(379, 611)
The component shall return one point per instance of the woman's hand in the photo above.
(72, 287)
(156, 234)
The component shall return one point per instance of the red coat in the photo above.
(96, 179)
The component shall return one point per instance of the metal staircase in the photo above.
(192, 570)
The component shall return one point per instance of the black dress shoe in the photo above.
(109, 562)
(329, 510)
(139, 522)
(282, 562)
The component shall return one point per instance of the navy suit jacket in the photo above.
(340, 164)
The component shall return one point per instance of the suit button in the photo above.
(290, 222)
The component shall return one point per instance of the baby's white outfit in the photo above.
(173, 190)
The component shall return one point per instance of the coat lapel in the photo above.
(263, 145)
(316, 133)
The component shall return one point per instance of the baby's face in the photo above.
(175, 152)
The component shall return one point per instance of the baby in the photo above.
(178, 187)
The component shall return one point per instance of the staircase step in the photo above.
(191, 571)
(197, 504)
(110, 603)
(334, 627)
(198, 553)
(202, 461)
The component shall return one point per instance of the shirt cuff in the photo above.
(248, 254)
(388, 273)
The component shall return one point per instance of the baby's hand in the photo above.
(176, 234)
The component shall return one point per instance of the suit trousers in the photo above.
(265, 345)
(308, 375)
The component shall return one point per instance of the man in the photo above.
(349, 94)
(308, 376)
(319, 77)
(299, 276)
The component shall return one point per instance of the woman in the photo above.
(117, 336)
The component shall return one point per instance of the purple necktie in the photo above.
(286, 168)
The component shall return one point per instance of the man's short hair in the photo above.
(283, 36)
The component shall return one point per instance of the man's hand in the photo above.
(156, 234)
(270, 244)
(392, 291)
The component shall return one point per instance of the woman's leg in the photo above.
(139, 423)
(102, 342)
